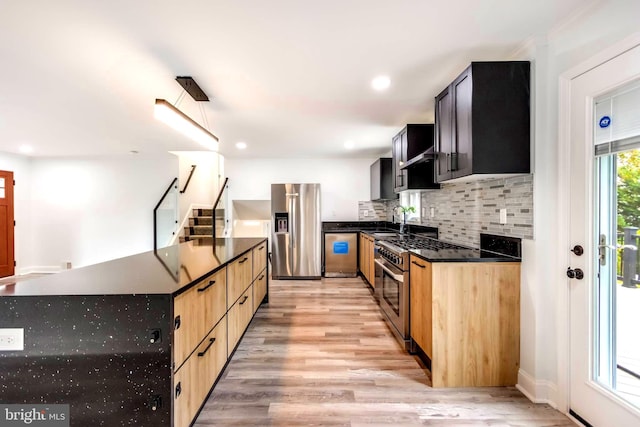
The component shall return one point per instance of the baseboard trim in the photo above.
(537, 391)
(44, 269)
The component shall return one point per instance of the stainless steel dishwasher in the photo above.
(341, 254)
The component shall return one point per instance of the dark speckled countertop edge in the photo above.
(168, 271)
(472, 255)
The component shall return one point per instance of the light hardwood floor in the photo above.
(320, 354)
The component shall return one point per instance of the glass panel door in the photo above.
(617, 294)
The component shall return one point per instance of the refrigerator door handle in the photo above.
(292, 220)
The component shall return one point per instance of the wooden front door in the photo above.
(7, 266)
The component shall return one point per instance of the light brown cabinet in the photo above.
(420, 304)
(196, 311)
(239, 317)
(465, 317)
(240, 275)
(209, 319)
(259, 289)
(259, 255)
(195, 378)
(366, 258)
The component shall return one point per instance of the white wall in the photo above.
(89, 210)
(343, 182)
(21, 168)
(543, 265)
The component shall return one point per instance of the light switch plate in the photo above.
(11, 339)
(432, 212)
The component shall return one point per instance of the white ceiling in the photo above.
(291, 78)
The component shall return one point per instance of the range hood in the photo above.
(426, 156)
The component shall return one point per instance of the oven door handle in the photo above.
(398, 277)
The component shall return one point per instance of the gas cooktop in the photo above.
(423, 243)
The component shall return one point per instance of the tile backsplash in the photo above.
(464, 210)
(373, 211)
(461, 211)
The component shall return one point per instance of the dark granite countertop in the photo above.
(166, 271)
(462, 255)
(353, 226)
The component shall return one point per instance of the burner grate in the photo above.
(428, 244)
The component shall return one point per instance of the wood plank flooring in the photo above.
(320, 354)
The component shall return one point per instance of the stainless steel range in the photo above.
(392, 279)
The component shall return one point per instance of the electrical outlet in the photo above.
(11, 339)
(503, 216)
(365, 213)
(432, 212)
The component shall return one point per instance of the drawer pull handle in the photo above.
(243, 260)
(211, 283)
(419, 265)
(176, 323)
(261, 277)
(246, 297)
(178, 390)
(261, 248)
(211, 341)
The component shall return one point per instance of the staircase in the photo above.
(200, 226)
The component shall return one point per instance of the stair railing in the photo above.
(165, 216)
(219, 211)
(186, 184)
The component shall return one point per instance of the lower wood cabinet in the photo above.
(421, 325)
(209, 319)
(195, 378)
(259, 289)
(465, 316)
(196, 311)
(366, 258)
(239, 316)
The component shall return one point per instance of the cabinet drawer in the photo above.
(195, 312)
(195, 378)
(259, 289)
(239, 317)
(259, 255)
(239, 277)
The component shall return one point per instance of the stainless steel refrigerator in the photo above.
(296, 231)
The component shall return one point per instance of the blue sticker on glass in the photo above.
(340, 247)
(605, 121)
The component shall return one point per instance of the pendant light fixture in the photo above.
(176, 119)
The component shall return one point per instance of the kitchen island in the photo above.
(139, 340)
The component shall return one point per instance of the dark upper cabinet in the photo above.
(411, 142)
(382, 179)
(483, 122)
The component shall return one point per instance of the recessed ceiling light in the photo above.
(381, 83)
(349, 145)
(241, 145)
(26, 149)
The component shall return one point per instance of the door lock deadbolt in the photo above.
(576, 273)
(578, 250)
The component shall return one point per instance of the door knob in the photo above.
(578, 250)
(575, 273)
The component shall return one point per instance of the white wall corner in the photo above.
(537, 391)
